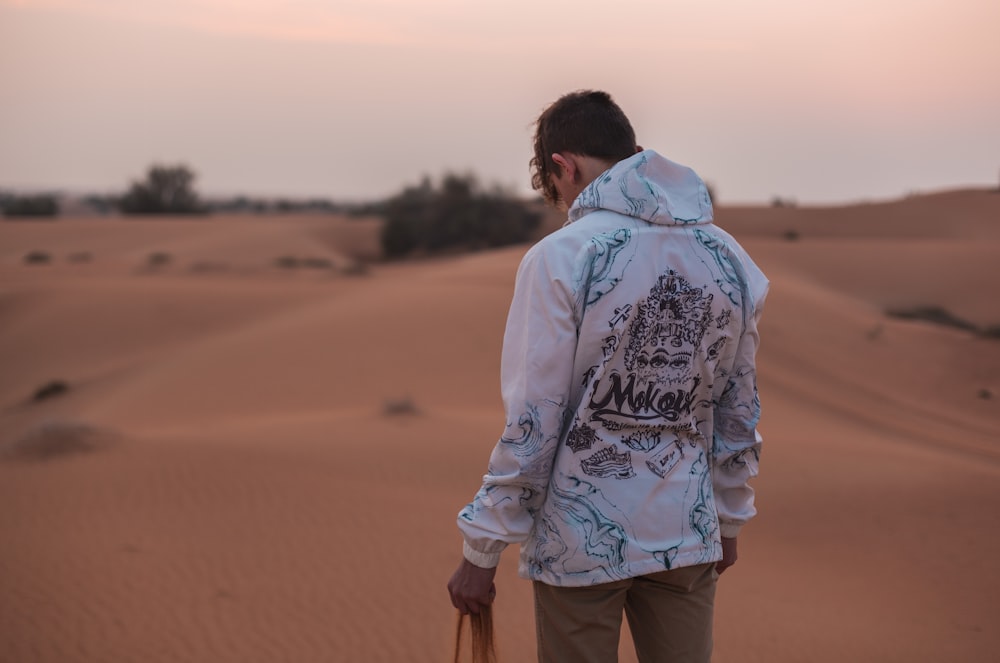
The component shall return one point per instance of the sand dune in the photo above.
(279, 453)
(971, 214)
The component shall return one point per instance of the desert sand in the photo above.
(247, 439)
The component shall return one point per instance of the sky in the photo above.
(352, 100)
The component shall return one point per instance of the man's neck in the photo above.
(591, 168)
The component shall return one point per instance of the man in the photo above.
(628, 377)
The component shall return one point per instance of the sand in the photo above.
(253, 461)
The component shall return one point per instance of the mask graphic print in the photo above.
(662, 345)
(668, 331)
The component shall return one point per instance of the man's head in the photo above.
(581, 126)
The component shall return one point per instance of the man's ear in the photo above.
(567, 164)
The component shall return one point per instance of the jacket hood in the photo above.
(650, 187)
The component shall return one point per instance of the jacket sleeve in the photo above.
(536, 374)
(736, 441)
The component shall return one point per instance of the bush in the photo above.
(49, 390)
(291, 262)
(158, 259)
(399, 406)
(37, 258)
(55, 439)
(166, 190)
(934, 314)
(940, 316)
(457, 215)
(990, 331)
(102, 204)
(317, 263)
(30, 206)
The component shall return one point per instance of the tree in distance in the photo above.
(166, 190)
(457, 215)
(42, 205)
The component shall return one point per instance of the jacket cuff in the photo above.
(728, 530)
(480, 559)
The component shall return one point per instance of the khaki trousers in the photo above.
(669, 614)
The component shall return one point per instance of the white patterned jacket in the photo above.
(629, 382)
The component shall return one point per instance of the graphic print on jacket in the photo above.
(629, 383)
(640, 421)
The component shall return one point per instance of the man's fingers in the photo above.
(471, 588)
(729, 555)
(459, 604)
(471, 604)
(467, 607)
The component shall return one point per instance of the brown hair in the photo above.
(586, 122)
(481, 625)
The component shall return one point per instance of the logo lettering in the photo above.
(621, 400)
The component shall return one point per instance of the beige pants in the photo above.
(669, 614)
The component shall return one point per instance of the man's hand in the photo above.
(471, 587)
(728, 555)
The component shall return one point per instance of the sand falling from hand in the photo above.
(482, 645)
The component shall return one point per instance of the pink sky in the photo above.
(351, 100)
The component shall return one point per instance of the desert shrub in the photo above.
(53, 439)
(369, 208)
(399, 406)
(940, 316)
(934, 314)
(166, 190)
(309, 262)
(992, 331)
(244, 203)
(102, 204)
(50, 390)
(37, 258)
(158, 259)
(321, 205)
(457, 215)
(308, 205)
(30, 206)
(235, 204)
(238, 204)
(317, 263)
